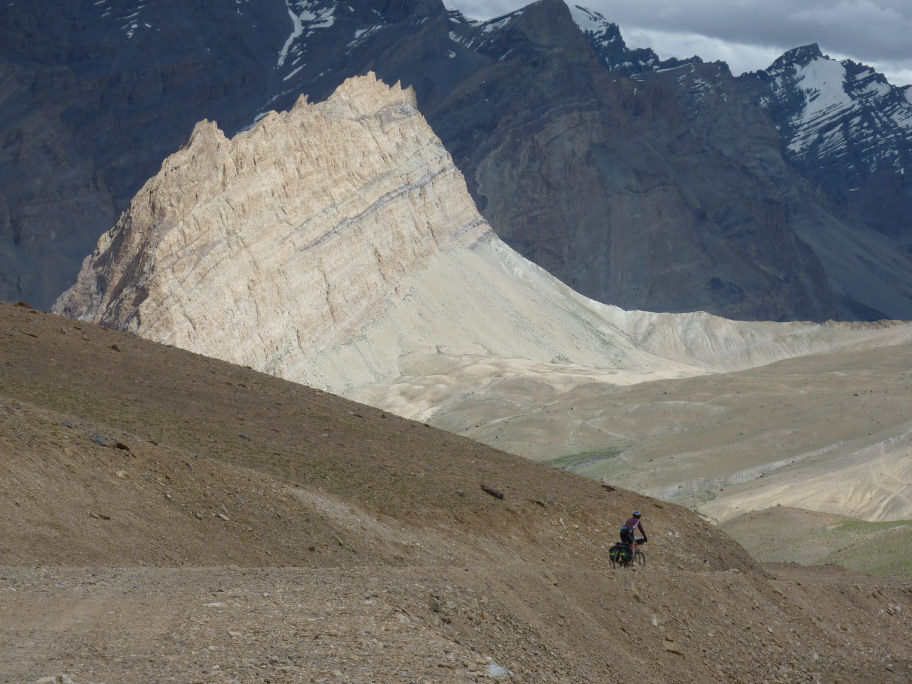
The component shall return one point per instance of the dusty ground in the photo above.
(173, 518)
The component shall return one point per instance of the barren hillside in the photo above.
(336, 245)
(171, 516)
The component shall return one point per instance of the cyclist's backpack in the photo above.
(619, 553)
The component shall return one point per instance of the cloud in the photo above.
(479, 9)
(875, 33)
(740, 57)
(750, 34)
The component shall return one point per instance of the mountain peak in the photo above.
(605, 38)
(801, 56)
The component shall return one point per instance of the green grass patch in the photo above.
(876, 548)
(864, 526)
(780, 535)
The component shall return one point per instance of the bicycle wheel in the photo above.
(639, 558)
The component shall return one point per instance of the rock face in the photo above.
(290, 236)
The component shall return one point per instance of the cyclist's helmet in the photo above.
(636, 514)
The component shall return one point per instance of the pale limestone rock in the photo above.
(287, 238)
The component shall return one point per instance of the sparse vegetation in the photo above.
(787, 535)
(876, 548)
(572, 462)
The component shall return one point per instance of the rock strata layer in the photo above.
(285, 239)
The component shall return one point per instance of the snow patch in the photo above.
(293, 72)
(130, 21)
(822, 80)
(304, 12)
(587, 20)
(362, 34)
(823, 84)
(499, 22)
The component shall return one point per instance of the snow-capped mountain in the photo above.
(605, 38)
(840, 125)
(846, 128)
(825, 108)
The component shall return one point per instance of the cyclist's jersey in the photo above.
(634, 524)
(626, 535)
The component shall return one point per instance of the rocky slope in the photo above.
(616, 186)
(211, 523)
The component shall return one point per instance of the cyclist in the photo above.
(628, 531)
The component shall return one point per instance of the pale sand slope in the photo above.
(827, 432)
(477, 317)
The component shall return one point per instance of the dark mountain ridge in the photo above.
(636, 186)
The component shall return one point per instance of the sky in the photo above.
(750, 34)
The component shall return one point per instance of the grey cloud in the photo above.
(479, 9)
(864, 29)
(875, 32)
